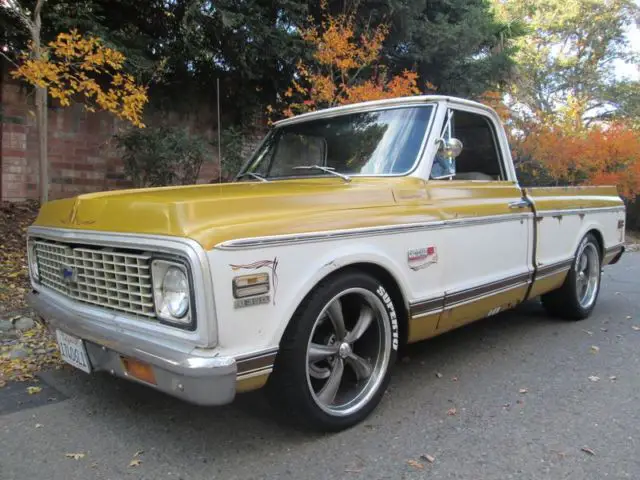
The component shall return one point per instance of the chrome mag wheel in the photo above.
(587, 274)
(348, 351)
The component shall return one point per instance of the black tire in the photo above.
(291, 386)
(565, 302)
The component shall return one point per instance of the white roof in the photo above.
(388, 102)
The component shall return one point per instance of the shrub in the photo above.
(161, 156)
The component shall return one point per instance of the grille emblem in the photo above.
(67, 274)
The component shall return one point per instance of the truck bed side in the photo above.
(564, 215)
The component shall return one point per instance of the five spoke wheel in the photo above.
(587, 274)
(348, 351)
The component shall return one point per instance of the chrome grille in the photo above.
(99, 276)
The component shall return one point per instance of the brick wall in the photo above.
(82, 155)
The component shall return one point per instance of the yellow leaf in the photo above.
(75, 456)
(135, 462)
(33, 390)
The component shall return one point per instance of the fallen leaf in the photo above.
(33, 390)
(594, 378)
(454, 379)
(415, 464)
(636, 328)
(428, 458)
(75, 456)
(39, 425)
(604, 329)
(452, 411)
(94, 465)
(629, 317)
(588, 332)
(138, 453)
(438, 374)
(613, 377)
(594, 349)
(588, 450)
(523, 390)
(135, 462)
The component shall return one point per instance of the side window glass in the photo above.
(479, 158)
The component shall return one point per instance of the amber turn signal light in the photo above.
(140, 370)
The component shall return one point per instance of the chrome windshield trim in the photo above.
(376, 104)
(365, 107)
(206, 332)
(277, 240)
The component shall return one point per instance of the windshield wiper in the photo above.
(253, 175)
(330, 170)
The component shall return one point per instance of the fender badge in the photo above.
(419, 258)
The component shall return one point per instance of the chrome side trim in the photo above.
(277, 240)
(205, 334)
(486, 290)
(426, 307)
(578, 211)
(487, 295)
(451, 300)
(553, 268)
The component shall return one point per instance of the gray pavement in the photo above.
(498, 431)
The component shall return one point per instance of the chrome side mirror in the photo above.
(450, 148)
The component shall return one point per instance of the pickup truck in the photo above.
(349, 233)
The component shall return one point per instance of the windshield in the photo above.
(366, 143)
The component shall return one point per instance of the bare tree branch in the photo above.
(21, 13)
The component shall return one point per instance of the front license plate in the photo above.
(72, 351)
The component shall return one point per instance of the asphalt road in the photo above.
(498, 431)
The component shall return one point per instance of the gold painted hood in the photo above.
(211, 214)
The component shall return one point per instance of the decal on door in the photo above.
(419, 258)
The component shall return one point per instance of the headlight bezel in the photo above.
(160, 265)
(32, 260)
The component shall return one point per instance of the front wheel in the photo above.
(335, 357)
(576, 298)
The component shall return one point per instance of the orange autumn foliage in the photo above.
(601, 155)
(342, 59)
(563, 149)
(74, 66)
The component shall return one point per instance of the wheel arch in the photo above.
(376, 269)
(600, 239)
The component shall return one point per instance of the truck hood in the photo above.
(211, 214)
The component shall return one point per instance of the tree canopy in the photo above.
(180, 47)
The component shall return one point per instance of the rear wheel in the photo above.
(335, 357)
(577, 297)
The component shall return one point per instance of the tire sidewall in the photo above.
(296, 339)
(573, 277)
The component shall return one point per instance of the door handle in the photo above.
(519, 204)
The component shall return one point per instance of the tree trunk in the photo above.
(41, 108)
(42, 124)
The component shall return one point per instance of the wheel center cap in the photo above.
(345, 350)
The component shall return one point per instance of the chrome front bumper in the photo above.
(196, 375)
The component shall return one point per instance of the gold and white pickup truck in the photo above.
(350, 232)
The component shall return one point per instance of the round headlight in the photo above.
(33, 263)
(175, 290)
